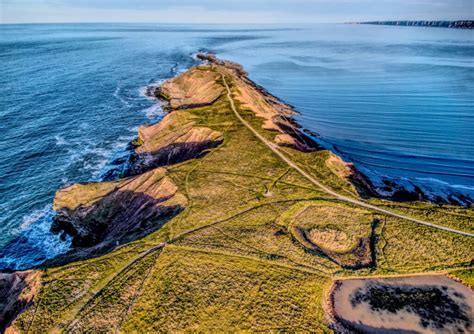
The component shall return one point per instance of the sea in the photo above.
(398, 102)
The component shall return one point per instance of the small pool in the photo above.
(416, 304)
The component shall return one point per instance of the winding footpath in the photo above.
(293, 165)
(69, 320)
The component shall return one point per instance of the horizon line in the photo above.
(223, 23)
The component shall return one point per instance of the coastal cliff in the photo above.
(176, 138)
(109, 213)
(460, 24)
(17, 291)
(103, 214)
(228, 218)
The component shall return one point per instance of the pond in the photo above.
(416, 304)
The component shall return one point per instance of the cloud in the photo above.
(230, 11)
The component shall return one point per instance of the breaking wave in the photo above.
(35, 243)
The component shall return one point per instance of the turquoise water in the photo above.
(397, 101)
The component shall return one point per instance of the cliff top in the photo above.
(222, 224)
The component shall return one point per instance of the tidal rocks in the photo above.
(176, 138)
(17, 291)
(107, 213)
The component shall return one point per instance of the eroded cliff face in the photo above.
(202, 85)
(194, 88)
(347, 171)
(17, 291)
(175, 139)
(107, 213)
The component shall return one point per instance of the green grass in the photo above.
(456, 217)
(405, 247)
(201, 291)
(330, 226)
(231, 263)
(464, 275)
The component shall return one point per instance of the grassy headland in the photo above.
(254, 244)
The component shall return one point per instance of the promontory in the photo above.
(229, 218)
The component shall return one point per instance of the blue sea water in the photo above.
(396, 101)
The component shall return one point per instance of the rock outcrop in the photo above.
(277, 116)
(17, 291)
(287, 140)
(347, 171)
(107, 213)
(176, 138)
(194, 88)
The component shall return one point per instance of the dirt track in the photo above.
(293, 165)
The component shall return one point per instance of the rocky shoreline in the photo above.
(101, 215)
(93, 213)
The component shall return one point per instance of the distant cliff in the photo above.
(439, 24)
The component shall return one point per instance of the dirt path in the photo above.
(293, 165)
(69, 319)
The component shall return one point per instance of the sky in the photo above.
(231, 11)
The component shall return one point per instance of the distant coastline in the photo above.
(461, 24)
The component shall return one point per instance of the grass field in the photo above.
(232, 260)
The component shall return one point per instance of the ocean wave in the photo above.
(431, 180)
(421, 170)
(34, 217)
(156, 110)
(120, 98)
(34, 243)
(60, 141)
(143, 91)
(176, 69)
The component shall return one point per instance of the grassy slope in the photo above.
(229, 265)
